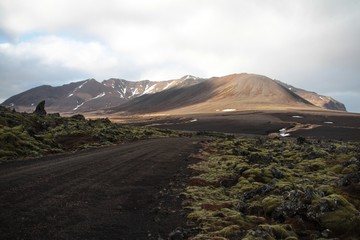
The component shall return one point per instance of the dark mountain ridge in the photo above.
(91, 95)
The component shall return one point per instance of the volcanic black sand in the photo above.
(121, 192)
(326, 124)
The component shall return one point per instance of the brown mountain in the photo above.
(228, 93)
(316, 99)
(187, 94)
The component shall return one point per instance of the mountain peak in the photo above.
(189, 77)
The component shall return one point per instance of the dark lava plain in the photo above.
(329, 125)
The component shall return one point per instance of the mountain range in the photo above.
(188, 94)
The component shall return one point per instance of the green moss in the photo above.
(271, 202)
(284, 231)
(262, 175)
(271, 232)
(338, 215)
(337, 168)
(327, 189)
(228, 231)
(350, 169)
(236, 217)
(197, 215)
(7, 153)
(244, 185)
(3, 122)
(273, 176)
(206, 194)
(207, 237)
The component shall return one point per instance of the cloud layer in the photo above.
(310, 44)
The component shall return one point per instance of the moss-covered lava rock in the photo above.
(266, 188)
(24, 135)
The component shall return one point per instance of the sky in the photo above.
(311, 44)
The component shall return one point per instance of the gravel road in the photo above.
(119, 192)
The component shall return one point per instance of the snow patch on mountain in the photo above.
(81, 104)
(148, 90)
(77, 107)
(168, 85)
(186, 77)
(77, 88)
(98, 96)
(134, 91)
(81, 85)
(121, 94)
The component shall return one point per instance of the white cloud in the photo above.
(91, 57)
(311, 44)
(53, 60)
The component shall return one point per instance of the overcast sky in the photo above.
(311, 44)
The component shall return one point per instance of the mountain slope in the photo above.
(316, 99)
(232, 92)
(69, 97)
(90, 95)
(129, 90)
(32, 96)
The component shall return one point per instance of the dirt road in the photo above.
(119, 192)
